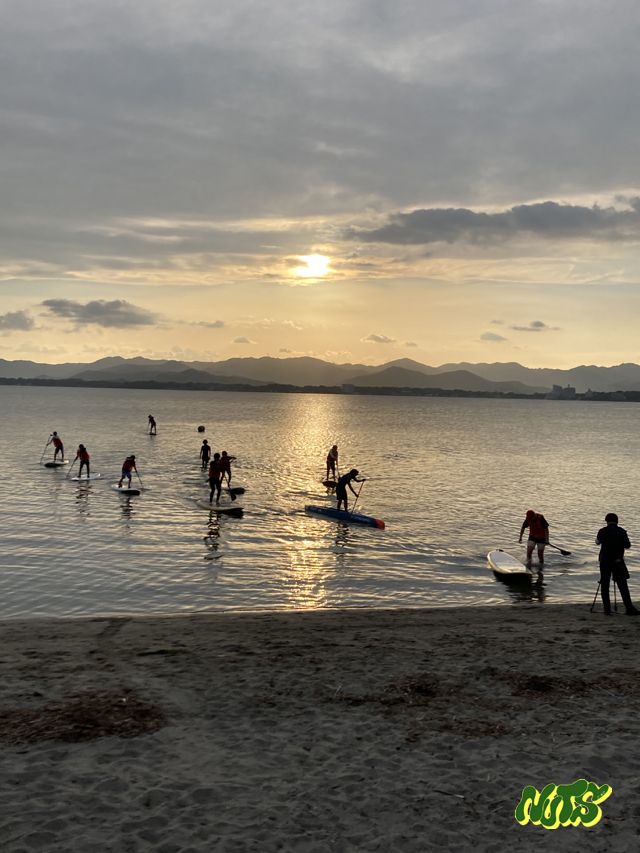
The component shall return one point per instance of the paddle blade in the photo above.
(565, 553)
(233, 496)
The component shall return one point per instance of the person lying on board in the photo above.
(538, 534)
(84, 457)
(613, 542)
(225, 465)
(57, 443)
(128, 467)
(215, 472)
(341, 488)
(205, 453)
(332, 461)
(152, 425)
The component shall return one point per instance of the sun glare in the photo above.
(316, 266)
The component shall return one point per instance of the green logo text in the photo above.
(561, 805)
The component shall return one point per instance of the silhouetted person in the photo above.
(613, 542)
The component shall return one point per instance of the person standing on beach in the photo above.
(128, 467)
(538, 534)
(57, 443)
(613, 542)
(84, 457)
(153, 430)
(225, 465)
(215, 471)
(205, 453)
(341, 488)
(332, 461)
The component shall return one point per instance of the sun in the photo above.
(316, 266)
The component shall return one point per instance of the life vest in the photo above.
(57, 442)
(83, 456)
(215, 469)
(128, 465)
(225, 463)
(536, 530)
(331, 457)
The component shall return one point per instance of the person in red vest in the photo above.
(57, 443)
(128, 467)
(538, 534)
(225, 464)
(153, 429)
(215, 472)
(83, 456)
(332, 459)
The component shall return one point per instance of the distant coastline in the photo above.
(277, 388)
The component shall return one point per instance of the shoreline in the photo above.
(340, 730)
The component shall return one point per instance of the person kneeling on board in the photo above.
(215, 471)
(538, 534)
(613, 542)
(57, 443)
(205, 453)
(332, 459)
(341, 488)
(128, 467)
(84, 457)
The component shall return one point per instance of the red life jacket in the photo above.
(83, 456)
(128, 465)
(215, 469)
(57, 442)
(536, 530)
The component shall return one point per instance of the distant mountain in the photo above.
(455, 380)
(620, 377)
(303, 370)
(169, 372)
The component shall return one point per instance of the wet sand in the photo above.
(398, 731)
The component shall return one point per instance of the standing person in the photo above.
(84, 457)
(613, 542)
(128, 467)
(205, 453)
(332, 461)
(152, 426)
(57, 443)
(341, 488)
(538, 534)
(225, 464)
(215, 471)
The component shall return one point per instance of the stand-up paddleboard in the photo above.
(226, 510)
(56, 464)
(84, 478)
(330, 484)
(348, 517)
(237, 490)
(508, 568)
(125, 490)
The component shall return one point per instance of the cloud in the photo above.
(29, 347)
(547, 219)
(491, 336)
(16, 321)
(497, 322)
(217, 324)
(117, 314)
(409, 344)
(534, 326)
(379, 339)
(284, 349)
(242, 340)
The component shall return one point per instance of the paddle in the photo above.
(71, 468)
(562, 551)
(45, 450)
(358, 495)
(139, 478)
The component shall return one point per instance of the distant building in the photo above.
(560, 393)
(348, 389)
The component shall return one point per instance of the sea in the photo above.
(451, 478)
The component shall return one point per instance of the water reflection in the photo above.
(83, 494)
(211, 539)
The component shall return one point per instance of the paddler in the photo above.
(341, 488)
(205, 453)
(225, 465)
(57, 443)
(215, 471)
(152, 425)
(83, 456)
(128, 467)
(538, 534)
(332, 461)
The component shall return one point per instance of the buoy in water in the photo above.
(200, 429)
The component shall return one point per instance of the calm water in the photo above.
(452, 479)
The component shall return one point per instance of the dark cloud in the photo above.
(491, 336)
(547, 219)
(16, 321)
(534, 326)
(117, 314)
(379, 339)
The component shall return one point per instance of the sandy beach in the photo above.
(352, 730)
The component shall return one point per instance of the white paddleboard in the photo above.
(56, 464)
(84, 478)
(508, 567)
(230, 510)
(125, 490)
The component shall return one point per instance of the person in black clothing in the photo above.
(613, 542)
(341, 488)
(205, 453)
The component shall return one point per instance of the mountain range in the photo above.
(401, 373)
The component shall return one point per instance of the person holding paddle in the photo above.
(225, 465)
(613, 542)
(57, 443)
(341, 488)
(332, 461)
(153, 428)
(84, 457)
(215, 472)
(538, 534)
(128, 467)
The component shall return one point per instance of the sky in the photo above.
(357, 180)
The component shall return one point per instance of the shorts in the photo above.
(540, 544)
(128, 474)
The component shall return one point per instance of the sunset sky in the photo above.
(360, 181)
